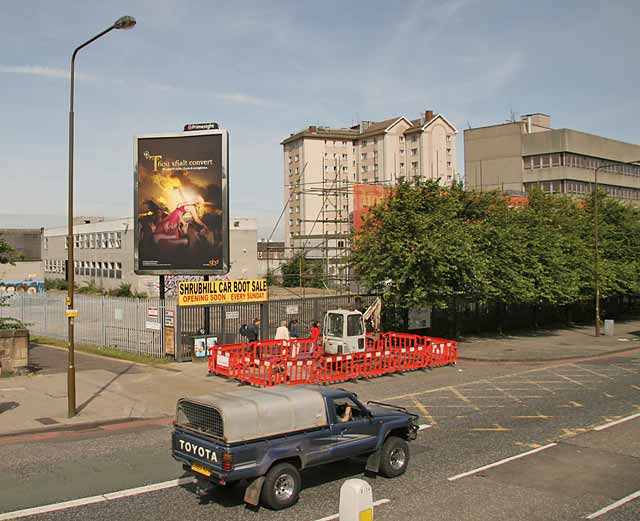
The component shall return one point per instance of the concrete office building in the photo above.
(104, 253)
(321, 165)
(515, 156)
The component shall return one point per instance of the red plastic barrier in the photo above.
(377, 363)
(300, 361)
(443, 352)
(338, 368)
(300, 372)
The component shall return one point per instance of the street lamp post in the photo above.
(596, 237)
(125, 22)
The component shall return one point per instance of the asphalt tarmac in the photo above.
(480, 414)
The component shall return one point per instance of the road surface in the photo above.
(553, 441)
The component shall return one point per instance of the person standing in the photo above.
(294, 330)
(282, 333)
(253, 331)
(314, 333)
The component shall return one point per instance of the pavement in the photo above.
(545, 345)
(111, 391)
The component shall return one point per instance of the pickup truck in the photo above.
(268, 436)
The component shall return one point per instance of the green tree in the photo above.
(7, 256)
(421, 244)
(311, 269)
(426, 244)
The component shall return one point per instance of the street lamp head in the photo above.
(125, 22)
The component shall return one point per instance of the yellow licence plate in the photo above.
(201, 469)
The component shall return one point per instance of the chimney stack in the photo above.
(313, 129)
(428, 116)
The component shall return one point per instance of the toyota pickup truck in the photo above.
(268, 436)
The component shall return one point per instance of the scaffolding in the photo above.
(328, 236)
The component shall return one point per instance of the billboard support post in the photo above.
(207, 315)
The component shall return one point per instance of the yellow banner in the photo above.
(201, 293)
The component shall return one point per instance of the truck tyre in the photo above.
(281, 486)
(394, 458)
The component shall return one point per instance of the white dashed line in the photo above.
(615, 505)
(611, 424)
(54, 507)
(506, 460)
(424, 426)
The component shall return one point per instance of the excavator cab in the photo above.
(343, 332)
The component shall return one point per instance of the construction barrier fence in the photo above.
(302, 361)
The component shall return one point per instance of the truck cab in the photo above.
(343, 332)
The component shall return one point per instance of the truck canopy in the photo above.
(248, 414)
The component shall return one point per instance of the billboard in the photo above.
(364, 197)
(181, 203)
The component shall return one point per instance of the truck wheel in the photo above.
(281, 486)
(394, 458)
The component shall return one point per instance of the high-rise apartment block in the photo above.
(322, 164)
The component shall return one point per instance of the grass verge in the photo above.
(107, 351)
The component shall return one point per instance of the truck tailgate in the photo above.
(202, 455)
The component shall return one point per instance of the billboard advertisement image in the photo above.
(181, 200)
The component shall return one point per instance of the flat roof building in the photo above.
(104, 250)
(513, 157)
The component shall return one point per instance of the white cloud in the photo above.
(42, 71)
(243, 99)
(235, 98)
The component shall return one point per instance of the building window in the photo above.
(364, 168)
(402, 151)
(401, 139)
(46, 243)
(414, 139)
(414, 151)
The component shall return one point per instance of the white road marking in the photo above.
(506, 460)
(54, 507)
(611, 424)
(13, 389)
(424, 426)
(615, 505)
(336, 516)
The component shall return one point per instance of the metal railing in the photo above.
(127, 324)
(134, 325)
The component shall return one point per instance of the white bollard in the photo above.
(356, 501)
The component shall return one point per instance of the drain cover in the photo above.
(46, 421)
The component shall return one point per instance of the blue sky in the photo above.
(265, 69)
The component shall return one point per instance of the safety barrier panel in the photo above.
(300, 361)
